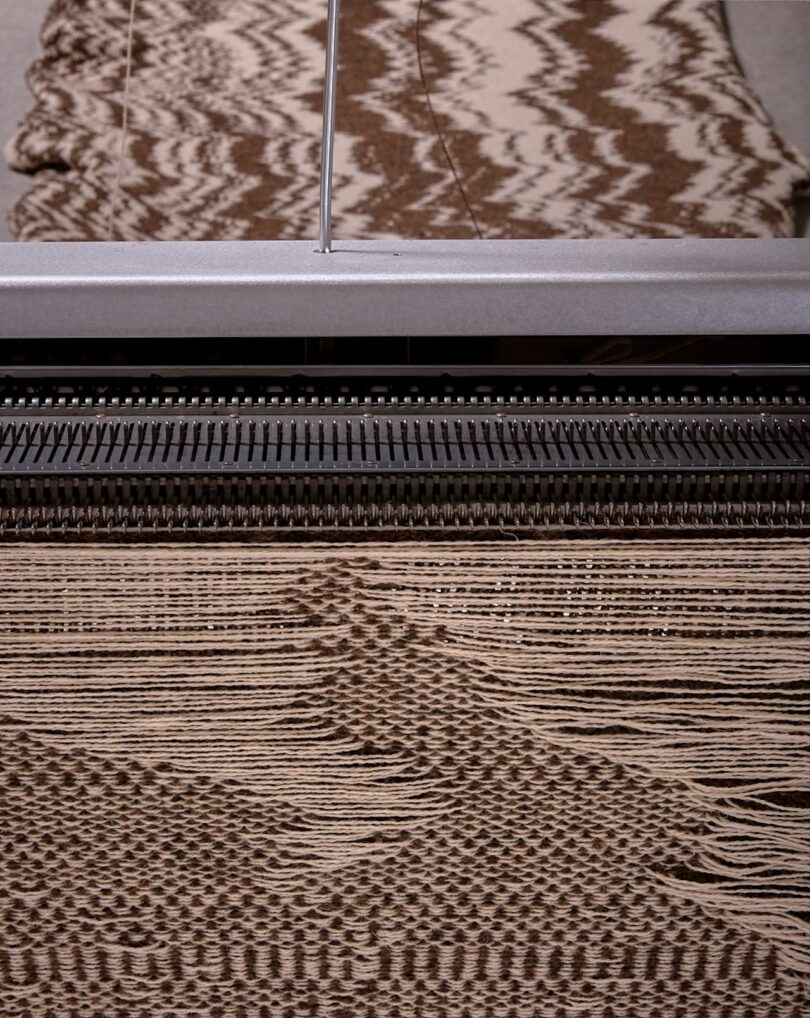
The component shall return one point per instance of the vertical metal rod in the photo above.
(328, 147)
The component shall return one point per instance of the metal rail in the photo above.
(329, 112)
(407, 288)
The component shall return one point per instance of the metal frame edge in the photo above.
(276, 289)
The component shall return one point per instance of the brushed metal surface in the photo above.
(398, 288)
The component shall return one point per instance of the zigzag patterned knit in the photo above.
(522, 780)
(459, 118)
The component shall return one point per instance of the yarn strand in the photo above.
(119, 172)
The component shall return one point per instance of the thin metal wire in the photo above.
(328, 146)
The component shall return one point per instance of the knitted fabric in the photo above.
(459, 118)
(520, 780)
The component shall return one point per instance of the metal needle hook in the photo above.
(328, 146)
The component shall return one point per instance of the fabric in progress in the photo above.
(517, 779)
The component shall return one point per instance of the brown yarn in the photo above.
(556, 119)
(405, 780)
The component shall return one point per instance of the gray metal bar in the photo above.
(396, 288)
(329, 106)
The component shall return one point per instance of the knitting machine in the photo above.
(222, 387)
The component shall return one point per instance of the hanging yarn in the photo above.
(529, 778)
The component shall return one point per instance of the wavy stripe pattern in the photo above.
(562, 118)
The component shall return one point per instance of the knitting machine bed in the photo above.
(250, 438)
(89, 449)
(336, 461)
(152, 453)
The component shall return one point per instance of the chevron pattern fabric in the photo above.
(459, 118)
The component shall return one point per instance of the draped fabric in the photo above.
(459, 118)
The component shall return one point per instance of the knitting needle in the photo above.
(328, 146)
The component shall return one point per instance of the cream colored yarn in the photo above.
(445, 780)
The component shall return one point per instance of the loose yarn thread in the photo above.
(685, 662)
(122, 150)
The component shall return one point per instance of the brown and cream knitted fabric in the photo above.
(459, 118)
(520, 780)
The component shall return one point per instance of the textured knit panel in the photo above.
(460, 118)
(543, 781)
